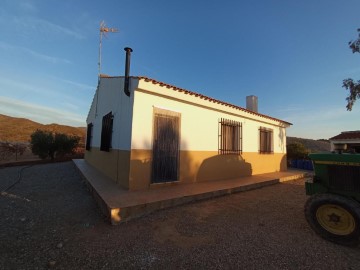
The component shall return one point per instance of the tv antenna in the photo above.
(103, 31)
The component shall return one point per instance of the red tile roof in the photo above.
(187, 92)
(347, 135)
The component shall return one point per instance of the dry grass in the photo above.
(14, 129)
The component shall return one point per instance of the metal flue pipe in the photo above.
(127, 71)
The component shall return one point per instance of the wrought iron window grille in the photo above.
(106, 132)
(230, 137)
(266, 141)
(89, 136)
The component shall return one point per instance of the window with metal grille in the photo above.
(230, 137)
(89, 136)
(266, 141)
(106, 132)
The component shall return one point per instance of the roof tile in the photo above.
(175, 88)
(347, 135)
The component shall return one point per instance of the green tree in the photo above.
(296, 150)
(65, 144)
(41, 144)
(47, 144)
(350, 84)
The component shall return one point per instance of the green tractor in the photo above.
(333, 210)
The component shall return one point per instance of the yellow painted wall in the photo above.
(140, 169)
(201, 166)
(114, 164)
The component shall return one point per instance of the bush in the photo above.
(47, 144)
(296, 151)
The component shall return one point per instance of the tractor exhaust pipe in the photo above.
(127, 71)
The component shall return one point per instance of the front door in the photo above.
(166, 144)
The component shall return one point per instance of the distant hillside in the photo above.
(14, 129)
(312, 145)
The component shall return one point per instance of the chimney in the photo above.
(127, 71)
(252, 103)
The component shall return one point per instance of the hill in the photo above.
(312, 145)
(13, 129)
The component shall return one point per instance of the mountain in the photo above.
(13, 129)
(312, 145)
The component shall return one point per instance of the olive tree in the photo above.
(296, 150)
(48, 144)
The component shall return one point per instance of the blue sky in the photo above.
(292, 54)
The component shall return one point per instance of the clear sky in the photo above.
(292, 54)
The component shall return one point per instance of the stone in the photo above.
(51, 264)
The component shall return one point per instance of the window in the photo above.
(230, 137)
(266, 141)
(106, 132)
(89, 136)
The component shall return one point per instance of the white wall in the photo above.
(111, 97)
(199, 121)
(348, 141)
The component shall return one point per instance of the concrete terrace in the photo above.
(121, 205)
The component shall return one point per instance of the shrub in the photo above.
(296, 151)
(47, 144)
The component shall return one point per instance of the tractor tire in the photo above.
(335, 218)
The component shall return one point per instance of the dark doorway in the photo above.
(166, 144)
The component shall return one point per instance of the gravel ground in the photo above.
(49, 220)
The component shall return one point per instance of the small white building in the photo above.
(349, 138)
(162, 134)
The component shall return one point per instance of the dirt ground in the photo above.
(49, 220)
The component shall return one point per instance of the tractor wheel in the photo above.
(334, 218)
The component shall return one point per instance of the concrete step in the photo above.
(120, 205)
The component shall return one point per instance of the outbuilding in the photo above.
(154, 134)
(349, 138)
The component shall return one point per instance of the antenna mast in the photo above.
(103, 31)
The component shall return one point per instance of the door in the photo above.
(166, 142)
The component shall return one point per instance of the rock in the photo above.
(22, 219)
(51, 264)
(60, 245)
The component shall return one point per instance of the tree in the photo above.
(47, 144)
(65, 144)
(42, 144)
(296, 150)
(350, 84)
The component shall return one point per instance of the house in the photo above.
(350, 138)
(153, 134)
